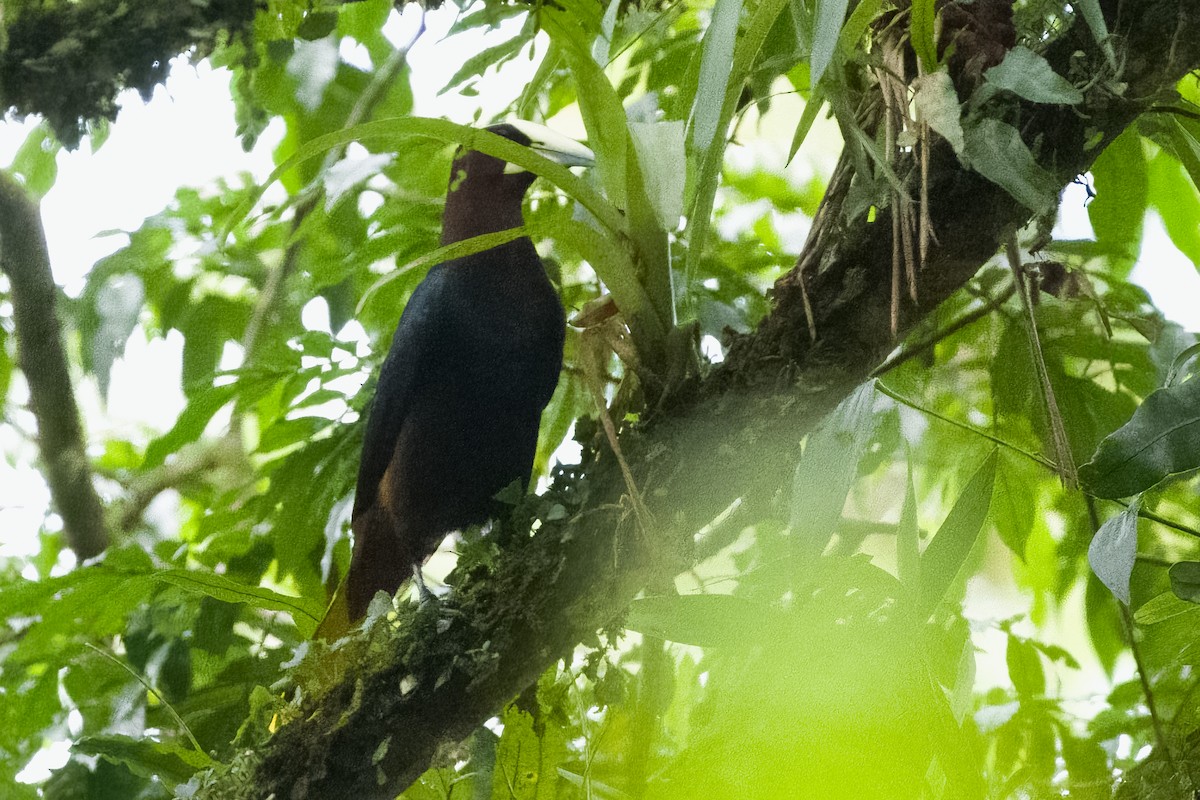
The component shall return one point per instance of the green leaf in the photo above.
(996, 151)
(826, 472)
(946, 554)
(1163, 607)
(1161, 438)
(1185, 580)
(317, 25)
(305, 612)
(1028, 75)
(936, 103)
(36, 161)
(921, 30)
(1113, 551)
(704, 620)
(167, 762)
(812, 107)
(448, 252)
(1025, 668)
(601, 109)
(1172, 192)
(1121, 182)
(1014, 505)
(527, 757)
(495, 56)
(397, 130)
(660, 153)
(829, 16)
(716, 71)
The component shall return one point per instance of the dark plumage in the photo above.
(474, 360)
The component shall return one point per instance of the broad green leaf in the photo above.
(923, 16)
(828, 20)
(305, 612)
(1122, 185)
(996, 151)
(936, 103)
(1113, 551)
(1013, 506)
(1029, 75)
(168, 762)
(1162, 438)
(660, 153)
(201, 408)
(527, 757)
(616, 270)
(1172, 192)
(826, 472)
(705, 620)
(317, 25)
(1025, 668)
(479, 63)
(946, 554)
(1162, 607)
(716, 71)
(1185, 580)
(36, 161)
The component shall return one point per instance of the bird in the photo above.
(474, 361)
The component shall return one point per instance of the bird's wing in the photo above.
(416, 337)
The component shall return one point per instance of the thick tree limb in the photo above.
(26, 262)
(734, 435)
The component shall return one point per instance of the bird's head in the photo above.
(485, 192)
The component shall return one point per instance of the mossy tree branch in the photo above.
(26, 262)
(731, 436)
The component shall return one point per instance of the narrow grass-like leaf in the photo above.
(908, 539)
(1161, 438)
(473, 138)
(601, 109)
(1113, 551)
(460, 249)
(921, 29)
(716, 71)
(711, 159)
(811, 109)
(305, 612)
(827, 25)
(946, 554)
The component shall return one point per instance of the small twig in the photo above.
(899, 398)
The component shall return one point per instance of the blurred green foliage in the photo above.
(824, 645)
